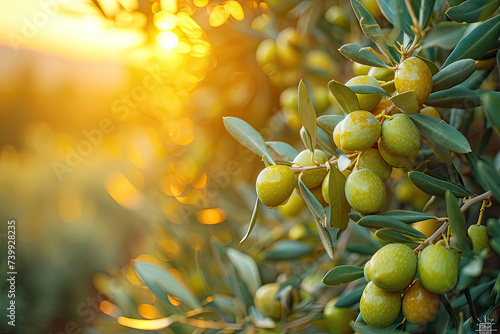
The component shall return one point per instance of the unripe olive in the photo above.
(289, 98)
(393, 159)
(366, 101)
(365, 191)
(379, 307)
(266, 54)
(400, 135)
(360, 69)
(312, 178)
(324, 186)
(438, 268)
(359, 130)
(318, 194)
(265, 300)
(337, 319)
(393, 267)
(479, 237)
(414, 75)
(419, 304)
(275, 184)
(367, 271)
(336, 137)
(337, 15)
(430, 111)
(382, 74)
(293, 206)
(372, 160)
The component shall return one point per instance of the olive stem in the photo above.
(481, 212)
(471, 304)
(485, 196)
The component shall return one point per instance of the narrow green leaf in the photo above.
(441, 132)
(396, 12)
(450, 311)
(307, 115)
(360, 55)
(406, 101)
(455, 97)
(246, 267)
(312, 203)
(288, 250)
(457, 222)
(355, 216)
(326, 238)
(329, 122)
(248, 137)
(252, 220)
(325, 141)
(476, 80)
(439, 151)
(156, 277)
(490, 174)
(436, 187)
(348, 299)
(477, 42)
(339, 207)
(472, 160)
(306, 138)
(490, 102)
(407, 216)
(377, 222)
(368, 89)
(473, 10)
(283, 149)
(475, 292)
(425, 12)
(343, 274)
(432, 67)
(370, 27)
(345, 97)
(453, 74)
(445, 35)
(393, 236)
(361, 249)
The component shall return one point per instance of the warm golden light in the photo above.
(151, 325)
(106, 307)
(173, 300)
(211, 216)
(167, 40)
(147, 311)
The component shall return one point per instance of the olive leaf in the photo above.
(455, 97)
(307, 115)
(406, 101)
(343, 274)
(283, 149)
(248, 137)
(345, 97)
(246, 267)
(453, 74)
(288, 250)
(439, 151)
(490, 173)
(368, 89)
(445, 35)
(436, 187)
(349, 298)
(325, 141)
(472, 10)
(361, 55)
(430, 65)
(339, 207)
(370, 27)
(251, 225)
(426, 7)
(160, 281)
(477, 42)
(457, 222)
(441, 133)
(396, 12)
(475, 293)
(377, 222)
(312, 203)
(393, 236)
(407, 216)
(329, 122)
(490, 102)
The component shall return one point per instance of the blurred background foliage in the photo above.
(113, 153)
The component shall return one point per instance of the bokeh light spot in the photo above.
(167, 40)
(211, 216)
